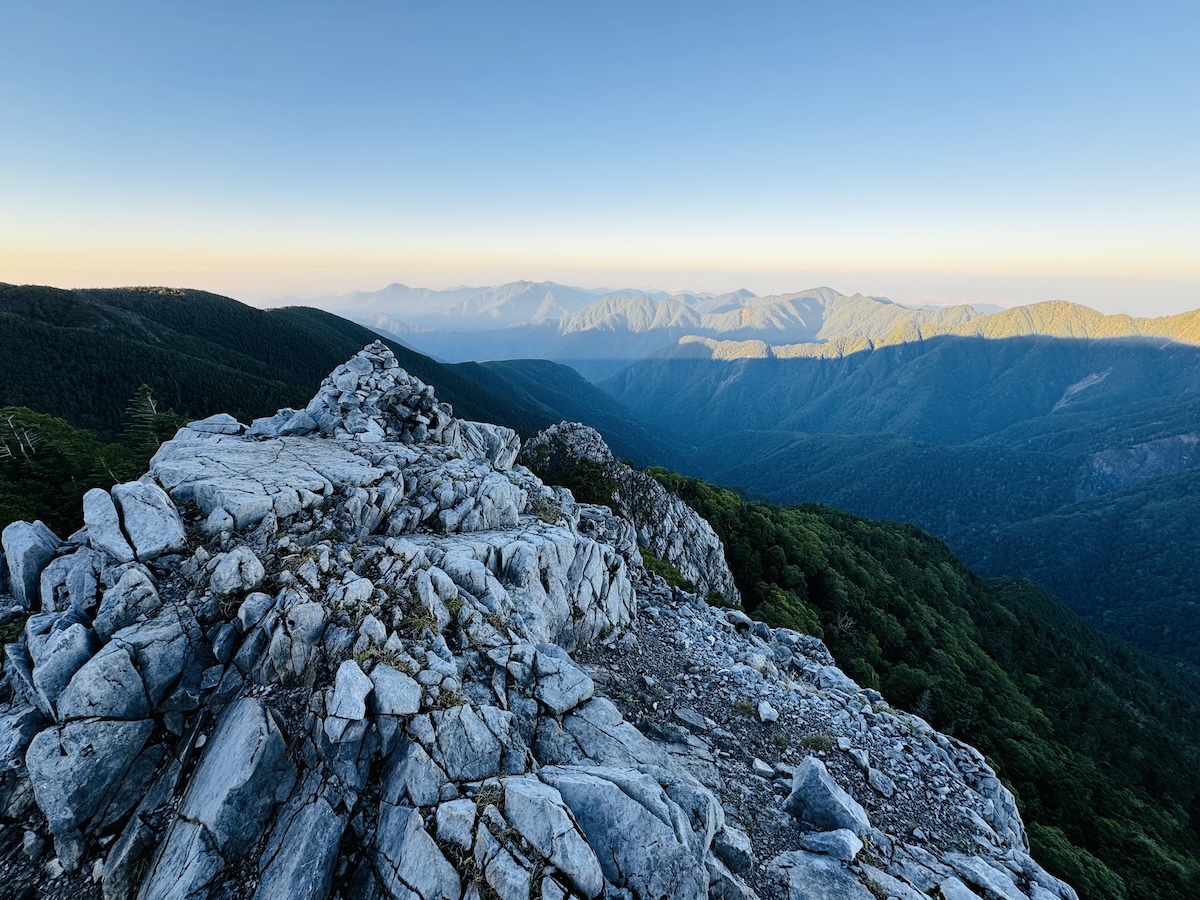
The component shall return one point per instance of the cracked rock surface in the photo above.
(664, 524)
(356, 651)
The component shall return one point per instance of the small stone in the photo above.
(733, 847)
(766, 712)
(881, 783)
(762, 769)
(691, 719)
(840, 844)
(34, 845)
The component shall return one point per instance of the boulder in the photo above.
(348, 704)
(71, 582)
(166, 650)
(107, 686)
(302, 852)
(74, 768)
(236, 571)
(634, 829)
(104, 525)
(221, 423)
(821, 804)
(407, 859)
(561, 685)
(732, 846)
(538, 813)
(991, 879)
(842, 844)
(243, 773)
(58, 658)
(27, 549)
(396, 694)
(467, 744)
(506, 872)
(456, 823)
(132, 598)
(150, 519)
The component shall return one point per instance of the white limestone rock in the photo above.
(815, 876)
(456, 823)
(821, 804)
(132, 598)
(408, 860)
(150, 519)
(628, 821)
(243, 773)
(104, 525)
(538, 813)
(236, 571)
(396, 694)
(75, 767)
(666, 526)
(348, 705)
(27, 549)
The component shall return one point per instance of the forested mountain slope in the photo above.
(1070, 461)
(81, 355)
(1094, 737)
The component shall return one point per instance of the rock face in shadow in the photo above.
(357, 651)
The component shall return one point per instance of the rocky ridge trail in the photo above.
(356, 651)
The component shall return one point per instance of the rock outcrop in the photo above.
(355, 651)
(665, 525)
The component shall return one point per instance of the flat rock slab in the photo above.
(249, 479)
(814, 876)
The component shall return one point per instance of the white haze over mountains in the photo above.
(487, 308)
(600, 330)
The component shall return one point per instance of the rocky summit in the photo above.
(358, 651)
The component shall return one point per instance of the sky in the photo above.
(928, 152)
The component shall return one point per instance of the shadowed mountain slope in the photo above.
(1070, 461)
(81, 355)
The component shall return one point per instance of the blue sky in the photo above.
(926, 151)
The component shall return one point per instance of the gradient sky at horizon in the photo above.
(930, 152)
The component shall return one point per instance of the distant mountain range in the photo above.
(599, 331)
(1048, 441)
